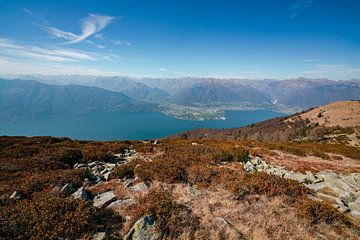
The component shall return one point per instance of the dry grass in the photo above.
(343, 113)
(311, 163)
(232, 204)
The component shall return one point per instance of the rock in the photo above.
(67, 188)
(310, 178)
(104, 199)
(104, 171)
(16, 195)
(192, 192)
(124, 202)
(106, 176)
(93, 164)
(355, 207)
(81, 193)
(316, 186)
(80, 165)
(249, 167)
(295, 176)
(128, 183)
(328, 176)
(256, 161)
(194, 144)
(100, 236)
(143, 229)
(140, 187)
(341, 188)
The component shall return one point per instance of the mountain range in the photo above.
(24, 99)
(31, 96)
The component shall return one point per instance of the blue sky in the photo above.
(245, 39)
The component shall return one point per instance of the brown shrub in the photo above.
(35, 182)
(126, 170)
(172, 219)
(261, 183)
(47, 217)
(237, 154)
(320, 212)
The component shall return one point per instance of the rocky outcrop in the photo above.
(140, 187)
(104, 199)
(143, 229)
(100, 171)
(81, 193)
(342, 190)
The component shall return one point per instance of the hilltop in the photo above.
(337, 122)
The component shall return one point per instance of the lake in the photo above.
(126, 125)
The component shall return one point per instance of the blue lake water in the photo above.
(126, 125)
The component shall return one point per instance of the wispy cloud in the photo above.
(168, 70)
(91, 25)
(310, 60)
(299, 6)
(28, 11)
(24, 51)
(106, 39)
(335, 71)
(17, 68)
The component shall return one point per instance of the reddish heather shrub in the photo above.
(47, 217)
(321, 212)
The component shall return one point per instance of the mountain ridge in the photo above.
(30, 99)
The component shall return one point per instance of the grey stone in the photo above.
(355, 207)
(328, 176)
(316, 186)
(256, 161)
(67, 188)
(104, 199)
(93, 164)
(192, 192)
(143, 229)
(81, 193)
(128, 183)
(140, 187)
(100, 236)
(249, 167)
(104, 171)
(122, 202)
(106, 176)
(81, 165)
(16, 195)
(310, 177)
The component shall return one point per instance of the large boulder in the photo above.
(140, 187)
(81, 193)
(355, 207)
(104, 199)
(121, 202)
(143, 229)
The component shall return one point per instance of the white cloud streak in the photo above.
(310, 60)
(30, 52)
(299, 6)
(16, 68)
(333, 71)
(92, 24)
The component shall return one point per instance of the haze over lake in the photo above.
(126, 125)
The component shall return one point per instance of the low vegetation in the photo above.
(35, 166)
